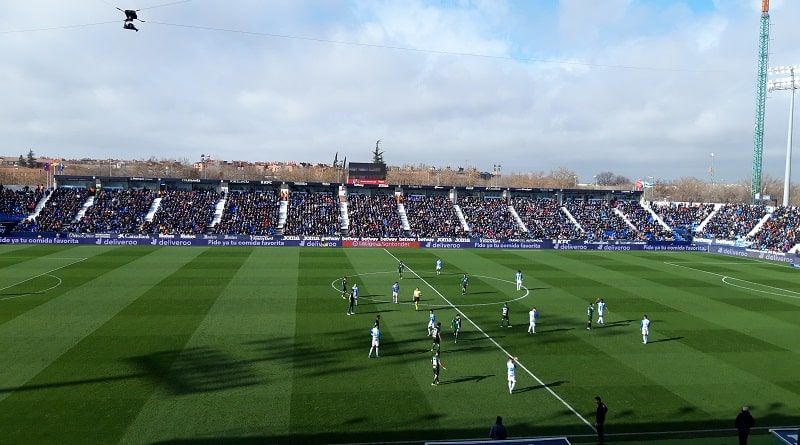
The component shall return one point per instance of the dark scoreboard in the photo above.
(366, 173)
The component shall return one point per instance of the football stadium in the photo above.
(188, 312)
(420, 299)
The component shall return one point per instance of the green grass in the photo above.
(149, 345)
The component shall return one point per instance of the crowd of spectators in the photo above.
(183, 212)
(780, 232)
(599, 221)
(489, 217)
(318, 214)
(733, 221)
(647, 226)
(254, 213)
(432, 216)
(116, 211)
(312, 213)
(17, 204)
(544, 219)
(60, 211)
(373, 216)
(681, 215)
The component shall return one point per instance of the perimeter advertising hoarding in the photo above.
(324, 242)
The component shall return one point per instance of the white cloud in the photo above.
(629, 89)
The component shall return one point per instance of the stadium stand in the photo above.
(489, 217)
(780, 232)
(115, 211)
(249, 213)
(17, 204)
(183, 212)
(312, 213)
(319, 210)
(599, 221)
(432, 216)
(374, 216)
(545, 219)
(59, 212)
(646, 222)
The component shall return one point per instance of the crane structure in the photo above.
(761, 98)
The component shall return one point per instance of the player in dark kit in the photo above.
(504, 317)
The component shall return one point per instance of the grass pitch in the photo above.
(149, 345)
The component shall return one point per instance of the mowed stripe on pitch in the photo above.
(237, 365)
(95, 388)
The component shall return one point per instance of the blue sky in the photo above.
(638, 88)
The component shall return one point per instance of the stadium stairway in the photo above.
(283, 212)
(153, 209)
(344, 217)
(625, 218)
(89, 202)
(520, 224)
(461, 218)
(572, 218)
(708, 218)
(218, 212)
(39, 206)
(757, 227)
(401, 212)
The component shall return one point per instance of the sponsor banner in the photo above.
(379, 243)
(445, 243)
(675, 247)
(747, 253)
(437, 243)
(17, 240)
(511, 245)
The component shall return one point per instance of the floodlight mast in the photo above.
(786, 83)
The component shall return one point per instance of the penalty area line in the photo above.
(494, 342)
(37, 276)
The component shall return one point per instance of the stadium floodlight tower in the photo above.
(786, 83)
(761, 98)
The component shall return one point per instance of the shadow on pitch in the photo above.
(536, 387)
(469, 378)
(617, 324)
(666, 339)
(194, 370)
(547, 331)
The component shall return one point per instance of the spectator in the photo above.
(498, 430)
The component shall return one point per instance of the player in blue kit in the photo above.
(375, 333)
(431, 322)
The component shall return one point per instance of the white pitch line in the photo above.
(37, 276)
(508, 354)
(726, 277)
